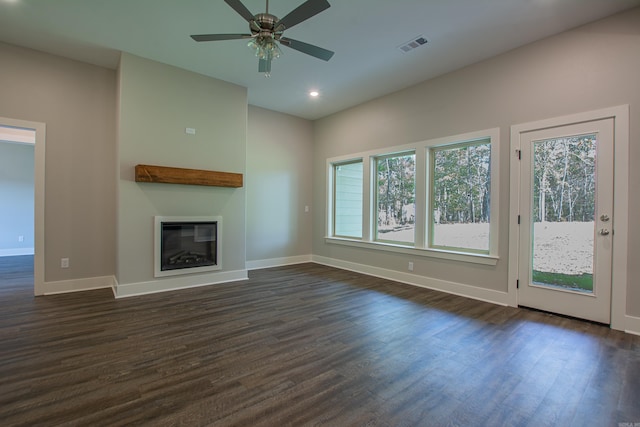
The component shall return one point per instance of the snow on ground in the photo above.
(559, 247)
(470, 236)
(563, 247)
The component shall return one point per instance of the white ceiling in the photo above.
(364, 34)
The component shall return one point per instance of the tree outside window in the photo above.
(395, 198)
(436, 198)
(461, 195)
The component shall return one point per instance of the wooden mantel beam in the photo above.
(169, 175)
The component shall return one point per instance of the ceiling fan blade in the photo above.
(307, 48)
(303, 12)
(216, 37)
(240, 8)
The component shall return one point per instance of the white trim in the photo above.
(420, 149)
(493, 135)
(331, 189)
(178, 282)
(39, 191)
(78, 285)
(467, 291)
(469, 257)
(621, 220)
(16, 252)
(619, 282)
(632, 325)
(513, 272)
(277, 262)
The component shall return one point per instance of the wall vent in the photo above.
(413, 43)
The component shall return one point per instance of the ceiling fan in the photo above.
(266, 31)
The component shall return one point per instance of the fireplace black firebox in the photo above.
(186, 246)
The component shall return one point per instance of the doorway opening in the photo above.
(22, 195)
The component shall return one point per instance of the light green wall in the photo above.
(156, 103)
(589, 68)
(279, 186)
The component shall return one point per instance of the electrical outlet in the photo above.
(64, 262)
(306, 208)
(410, 267)
(20, 238)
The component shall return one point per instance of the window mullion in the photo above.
(421, 198)
(368, 200)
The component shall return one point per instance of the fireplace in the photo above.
(187, 245)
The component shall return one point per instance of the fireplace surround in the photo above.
(185, 245)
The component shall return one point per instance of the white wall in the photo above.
(589, 68)
(279, 186)
(16, 198)
(77, 103)
(157, 103)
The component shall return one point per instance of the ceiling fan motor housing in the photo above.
(264, 25)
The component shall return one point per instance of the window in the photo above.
(460, 181)
(347, 199)
(437, 198)
(396, 198)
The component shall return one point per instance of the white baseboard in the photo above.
(474, 292)
(632, 325)
(17, 252)
(175, 283)
(78, 285)
(278, 262)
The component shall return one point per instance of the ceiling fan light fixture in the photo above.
(265, 48)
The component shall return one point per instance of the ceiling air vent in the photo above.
(412, 44)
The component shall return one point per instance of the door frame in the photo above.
(39, 183)
(620, 116)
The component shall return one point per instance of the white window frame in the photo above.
(374, 196)
(420, 247)
(456, 144)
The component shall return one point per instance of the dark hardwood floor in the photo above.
(304, 345)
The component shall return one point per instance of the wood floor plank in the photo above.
(303, 345)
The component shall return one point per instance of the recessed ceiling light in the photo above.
(314, 93)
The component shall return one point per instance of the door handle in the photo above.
(604, 231)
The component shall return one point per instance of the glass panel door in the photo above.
(566, 218)
(563, 212)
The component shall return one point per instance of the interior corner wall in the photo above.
(592, 67)
(76, 101)
(157, 102)
(279, 186)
